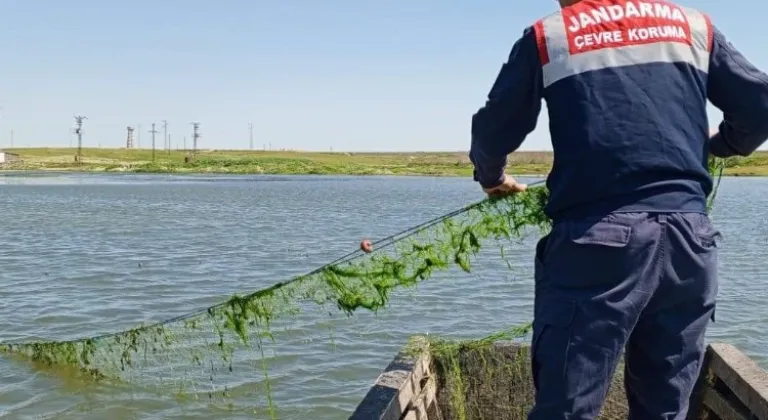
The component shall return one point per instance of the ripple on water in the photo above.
(91, 254)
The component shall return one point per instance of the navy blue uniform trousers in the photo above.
(641, 282)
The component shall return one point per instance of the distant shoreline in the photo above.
(442, 164)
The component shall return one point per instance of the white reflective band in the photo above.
(559, 63)
(624, 56)
(701, 30)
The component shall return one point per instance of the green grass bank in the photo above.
(297, 162)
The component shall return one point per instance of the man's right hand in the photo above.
(507, 187)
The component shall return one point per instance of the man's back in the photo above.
(626, 85)
(628, 113)
(630, 265)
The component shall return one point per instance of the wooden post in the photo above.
(406, 390)
(736, 387)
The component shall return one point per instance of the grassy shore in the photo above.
(289, 162)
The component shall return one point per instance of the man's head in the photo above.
(566, 3)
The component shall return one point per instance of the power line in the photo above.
(166, 141)
(195, 136)
(79, 131)
(250, 132)
(129, 140)
(153, 131)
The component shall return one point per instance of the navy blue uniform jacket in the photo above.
(626, 84)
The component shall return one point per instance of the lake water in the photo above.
(86, 254)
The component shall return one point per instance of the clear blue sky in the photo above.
(312, 75)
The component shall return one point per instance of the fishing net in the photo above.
(491, 379)
(215, 353)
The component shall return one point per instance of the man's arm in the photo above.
(740, 90)
(509, 114)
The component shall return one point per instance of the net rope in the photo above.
(378, 244)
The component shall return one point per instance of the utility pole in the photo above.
(153, 131)
(195, 136)
(79, 131)
(129, 140)
(250, 132)
(166, 145)
(185, 143)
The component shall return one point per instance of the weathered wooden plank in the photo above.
(743, 376)
(419, 407)
(731, 387)
(411, 392)
(395, 388)
(720, 406)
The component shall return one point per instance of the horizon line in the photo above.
(257, 150)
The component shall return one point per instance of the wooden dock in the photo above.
(496, 383)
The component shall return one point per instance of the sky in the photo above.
(374, 75)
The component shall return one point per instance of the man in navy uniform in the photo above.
(631, 261)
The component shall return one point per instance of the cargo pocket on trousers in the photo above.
(551, 341)
(593, 255)
(707, 235)
(603, 233)
(708, 238)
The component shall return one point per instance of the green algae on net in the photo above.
(211, 337)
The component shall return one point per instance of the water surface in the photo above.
(84, 254)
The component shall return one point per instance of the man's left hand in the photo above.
(507, 187)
